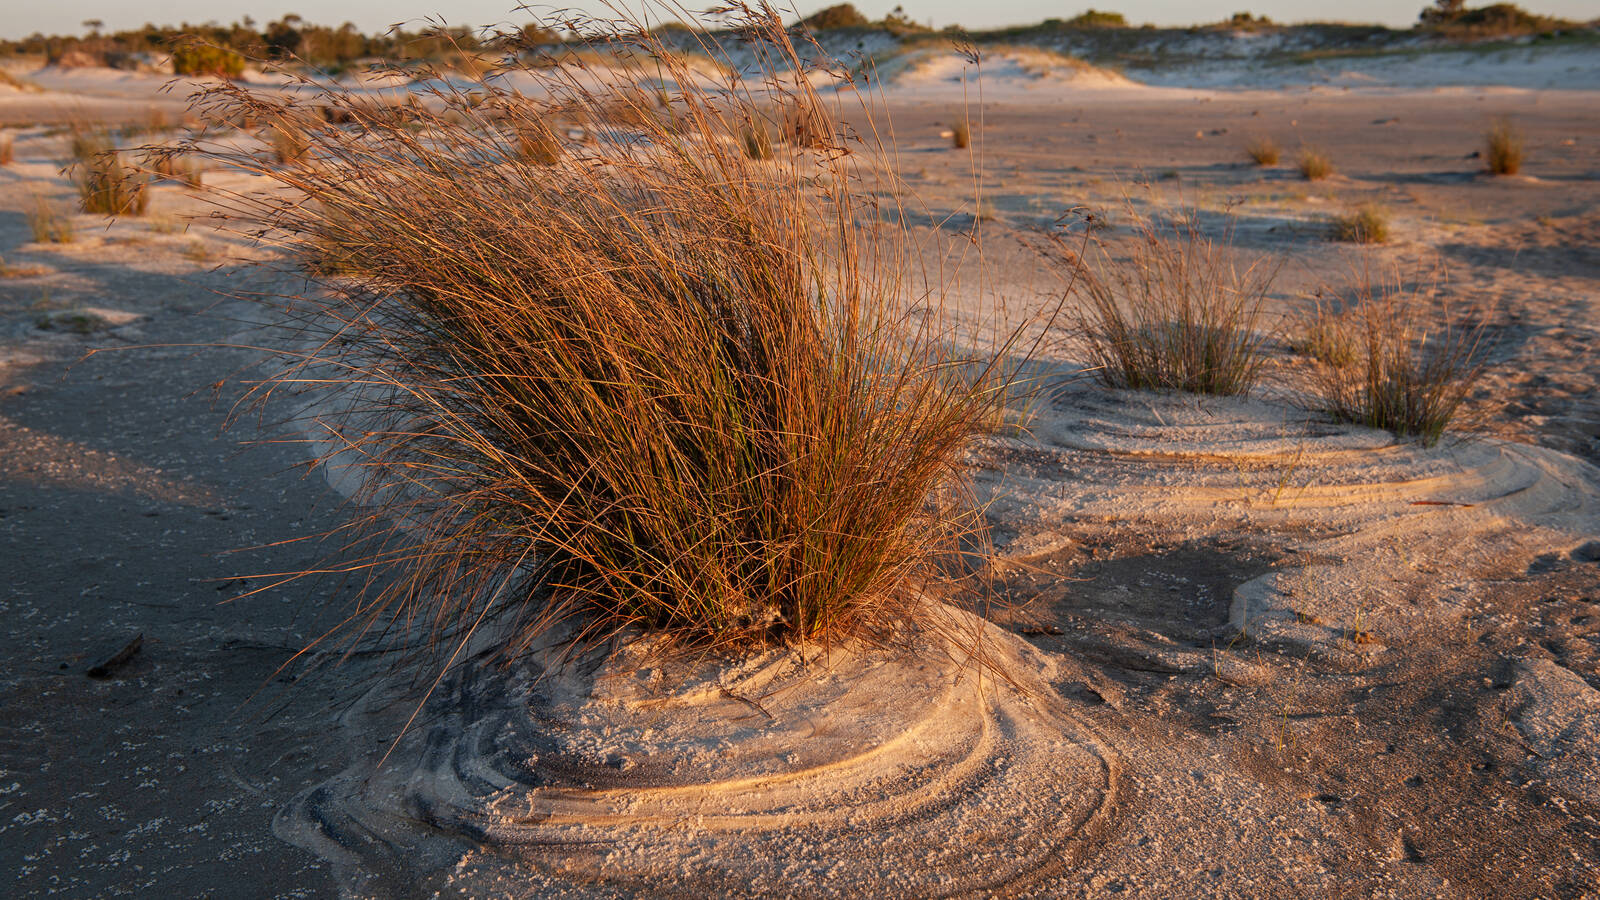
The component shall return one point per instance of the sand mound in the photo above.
(1013, 73)
(783, 775)
(1372, 517)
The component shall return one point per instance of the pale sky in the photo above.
(65, 16)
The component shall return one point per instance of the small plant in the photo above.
(288, 141)
(89, 142)
(538, 144)
(173, 165)
(757, 140)
(108, 186)
(1366, 224)
(806, 124)
(48, 224)
(1175, 313)
(1263, 151)
(960, 134)
(8, 149)
(1504, 150)
(1314, 164)
(1325, 338)
(1391, 363)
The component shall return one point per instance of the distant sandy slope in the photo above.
(1291, 658)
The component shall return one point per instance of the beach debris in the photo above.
(108, 666)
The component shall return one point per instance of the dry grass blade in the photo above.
(1175, 313)
(1387, 358)
(651, 383)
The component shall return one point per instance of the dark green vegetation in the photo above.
(1103, 38)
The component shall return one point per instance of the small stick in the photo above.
(748, 702)
(117, 660)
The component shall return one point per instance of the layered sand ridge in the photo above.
(975, 762)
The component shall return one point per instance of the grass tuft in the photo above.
(667, 386)
(1314, 164)
(1504, 147)
(1366, 224)
(1263, 151)
(960, 134)
(1173, 311)
(109, 186)
(48, 224)
(757, 140)
(1388, 358)
(287, 139)
(8, 149)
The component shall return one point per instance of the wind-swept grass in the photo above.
(1391, 358)
(660, 384)
(1173, 309)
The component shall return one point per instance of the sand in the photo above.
(1244, 651)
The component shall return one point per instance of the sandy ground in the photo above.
(1252, 654)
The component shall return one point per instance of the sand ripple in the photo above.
(864, 773)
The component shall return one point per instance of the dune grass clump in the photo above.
(757, 139)
(110, 186)
(1503, 150)
(1314, 164)
(8, 149)
(960, 134)
(87, 142)
(48, 224)
(1387, 358)
(538, 144)
(1366, 224)
(1263, 151)
(667, 386)
(173, 165)
(1173, 310)
(287, 139)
